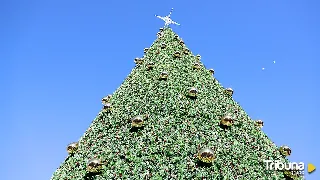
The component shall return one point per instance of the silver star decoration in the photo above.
(167, 19)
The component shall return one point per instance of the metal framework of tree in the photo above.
(172, 119)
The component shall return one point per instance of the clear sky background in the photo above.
(59, 58)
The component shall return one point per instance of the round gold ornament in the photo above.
(106, 99)
(137, 121)
(211, 71)
(177, 54)
(186, 51)
(259, 123)
(227, 120)
(107, 107)
(196, 66)
(163, 45)
(285, 150)
(150, 65)
(206, 155)
(138, 60)
(181, 42)
(72, 148)
(164, 75)
(198, 57)
(145, 50)
(94, 165)
(193, 92)
(229, 91)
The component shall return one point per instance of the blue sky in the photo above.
(59, 58)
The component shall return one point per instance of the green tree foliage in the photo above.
(175, 125)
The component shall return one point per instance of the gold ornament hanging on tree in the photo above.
(106, 99)
(198, 57)
(163, 45)
(259, 123)
(227, 120)
(159, 34)
(107, 107)
(196, 66)
(181, 42)
(164, 75)
(211, 71)
(193, 92)
(285, 150)
(229, 91)
(137, 121)
(206, 155)
(186, 51)
(94, 165)
(150, 65)
(177, 54)
(72, 148)
(138, 60)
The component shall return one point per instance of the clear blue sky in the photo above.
(59, 58)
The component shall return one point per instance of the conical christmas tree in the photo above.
(171, 119)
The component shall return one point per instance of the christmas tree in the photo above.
(172, 119)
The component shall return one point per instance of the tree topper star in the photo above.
(167, 19)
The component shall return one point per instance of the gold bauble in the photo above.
(137, 121)
(159, 34)
(107, 107)
(186, 51)
(181, 42)
(198, 57)
(285, 150)
(164, 75)
(106, 99)
(229, 91)
(211, 71)
(206, 155)
(193, 92)
(163, 45)
(138, 60)
(145, 50)
(72, 147)
(176, 54)
(196, 66)
(227, 120)
(259, 123)
(150, 65)
(94, 165)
